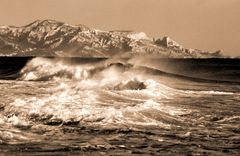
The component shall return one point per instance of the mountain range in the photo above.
(54, 38)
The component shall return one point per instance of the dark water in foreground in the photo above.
(119, 107)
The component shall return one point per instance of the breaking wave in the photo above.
(55, 97)
(100, 93)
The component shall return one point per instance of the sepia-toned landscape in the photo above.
(74, 89)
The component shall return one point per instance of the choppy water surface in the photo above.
(59, 108)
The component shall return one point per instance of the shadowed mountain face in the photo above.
(53, 38)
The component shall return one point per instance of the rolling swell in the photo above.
(10, 67)
(184, 77)
(198, 70)
(203, 70)
(207, 71)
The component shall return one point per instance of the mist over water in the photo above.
(126, 105)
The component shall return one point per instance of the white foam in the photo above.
(53, 69)
(87, 98)
(209, 92)
(74, 101)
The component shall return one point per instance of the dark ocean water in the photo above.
(148, 106)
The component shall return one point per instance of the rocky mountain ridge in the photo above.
(53, 38)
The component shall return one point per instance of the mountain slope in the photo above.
(53, 38)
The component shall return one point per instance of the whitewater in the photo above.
(104, 106)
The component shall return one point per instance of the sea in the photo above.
(119, 106)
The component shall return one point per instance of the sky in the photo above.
(202, 24)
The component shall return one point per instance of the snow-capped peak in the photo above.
(138, 36)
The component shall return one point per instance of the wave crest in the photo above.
(44, 69)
